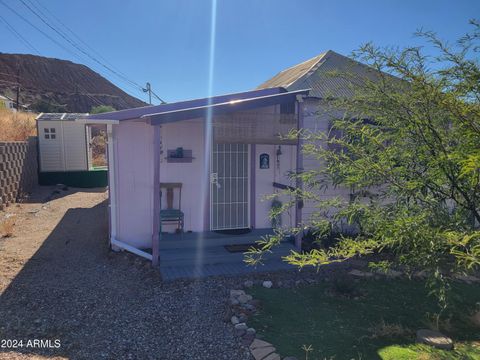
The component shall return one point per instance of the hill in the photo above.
(53, 85)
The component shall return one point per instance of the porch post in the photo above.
(156, 196)
(253, 168)
(299, 169)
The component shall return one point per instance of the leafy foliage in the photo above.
(101, 109)
(407, 145)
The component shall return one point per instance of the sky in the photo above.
(169, 43)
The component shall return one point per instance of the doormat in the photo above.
(236, 248)
(234, 231)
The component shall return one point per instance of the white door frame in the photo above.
(213, 181)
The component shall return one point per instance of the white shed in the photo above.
(63, 143)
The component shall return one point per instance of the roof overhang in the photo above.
(224, 107)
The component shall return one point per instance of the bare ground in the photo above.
(59, 281)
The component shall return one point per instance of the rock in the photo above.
(476, 318)
(248, 284)
(242, 318)
(262, 352)
(279, 283)
(469, 279)
(244, 298)
(435, 339)
(234, 320)
(259, 344)
(267, 284)
(241, 326)
(251, 331)
(359, 273)
(290, 358)
(250, 307)
(234, 302)
(273, 356)
(393, 274)
(247, 339)
(421, 274)
(236, 293)
(241, 329)
(298, 282)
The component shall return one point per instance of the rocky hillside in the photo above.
(49, 84)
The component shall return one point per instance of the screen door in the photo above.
(229, 187)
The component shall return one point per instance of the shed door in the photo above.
(229, 181)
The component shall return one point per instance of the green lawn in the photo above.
(380, 324)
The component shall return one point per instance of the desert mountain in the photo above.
(48, 84)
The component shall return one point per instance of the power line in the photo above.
(18, 35)
(59, 21)
(74, 44)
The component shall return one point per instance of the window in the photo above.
(49, 133)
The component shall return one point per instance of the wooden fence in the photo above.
(18, 170)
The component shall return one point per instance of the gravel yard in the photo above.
(58, 280)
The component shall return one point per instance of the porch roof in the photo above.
(191, 109)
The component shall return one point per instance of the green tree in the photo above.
(101, 109)
(408, 146)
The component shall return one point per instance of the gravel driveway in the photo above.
(58, 280)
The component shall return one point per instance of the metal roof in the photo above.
(190, 109)
(61, 116)
(324, 74)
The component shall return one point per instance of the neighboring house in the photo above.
(224, 151)
(7, 103)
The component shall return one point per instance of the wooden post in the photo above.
(299, 169)
(156, 197)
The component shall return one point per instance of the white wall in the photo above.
(317, 118)
(68, 151)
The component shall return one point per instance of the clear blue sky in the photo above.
(168, 42)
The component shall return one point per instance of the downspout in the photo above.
(156, 197)
(111, 185)
(299, 169)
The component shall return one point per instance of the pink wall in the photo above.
(134, 182)
(264, 179)
(190, 136)
(134, 178)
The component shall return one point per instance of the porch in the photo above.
(204, 254)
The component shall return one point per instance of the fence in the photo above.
(18, 170)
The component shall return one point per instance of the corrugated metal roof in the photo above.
(62, 116)
(324, 74)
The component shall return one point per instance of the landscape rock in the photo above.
(393, 274)
(420, 274)
(248, 284)
(260, 344)
(476, 318)
(358, 273)
(273, 356)
(236, 293)
(251, 331)
(241, 326)
(435, 339)
(244, 298)
(267, 284)
(234, 320)
(234, 302)
(262, 353)
(469, 279)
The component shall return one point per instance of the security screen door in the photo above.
(229, 187)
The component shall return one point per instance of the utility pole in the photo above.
(148, 88)
(17, 101)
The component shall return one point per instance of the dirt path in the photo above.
(59, 281)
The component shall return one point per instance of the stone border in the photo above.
(242, 306)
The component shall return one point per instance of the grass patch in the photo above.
(379, 324)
